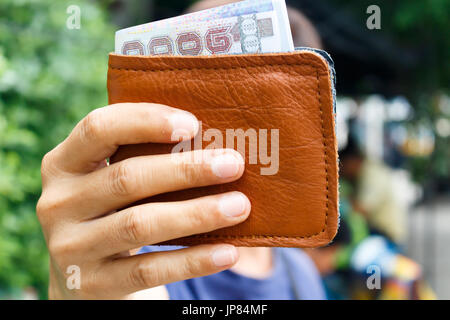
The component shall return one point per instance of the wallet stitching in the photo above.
(323, 142)
(212, 68)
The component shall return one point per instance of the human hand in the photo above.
(80, 214)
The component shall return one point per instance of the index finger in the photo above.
(101, 132)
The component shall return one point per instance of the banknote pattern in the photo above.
(244, 27)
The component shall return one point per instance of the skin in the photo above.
(82, 222)
(324, 258)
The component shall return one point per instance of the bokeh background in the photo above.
(393, 117)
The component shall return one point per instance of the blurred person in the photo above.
(346, 264)
(400, 278)
(374, 194)
(79, 187)
(333, 261)
(367, 192)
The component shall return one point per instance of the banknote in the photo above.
(252, 26)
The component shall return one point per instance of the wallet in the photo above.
(289, 93)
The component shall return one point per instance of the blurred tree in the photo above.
(408, 56)
(415, 26)
(50, 77)
(418, 27)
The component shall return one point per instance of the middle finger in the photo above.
(138, 178)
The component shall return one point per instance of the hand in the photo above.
(81, 195)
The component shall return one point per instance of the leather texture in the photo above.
(292, 92)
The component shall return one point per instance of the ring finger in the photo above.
(158, 222)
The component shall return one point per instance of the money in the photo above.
(250, 26)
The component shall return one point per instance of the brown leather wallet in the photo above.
(292, 92)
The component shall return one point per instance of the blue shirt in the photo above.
(294, 276)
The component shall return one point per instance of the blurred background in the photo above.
(393, 126)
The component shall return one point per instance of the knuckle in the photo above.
(47, 162)
(91, 283)
(48, 167)
(42, 209)
(52, 202)
(62, 247)
(200, 216)
(92, 126)
(144, 276)
(193, 266)
(133, 229)
(120, 180)
(189, 173)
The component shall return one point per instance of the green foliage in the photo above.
(50, 77)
